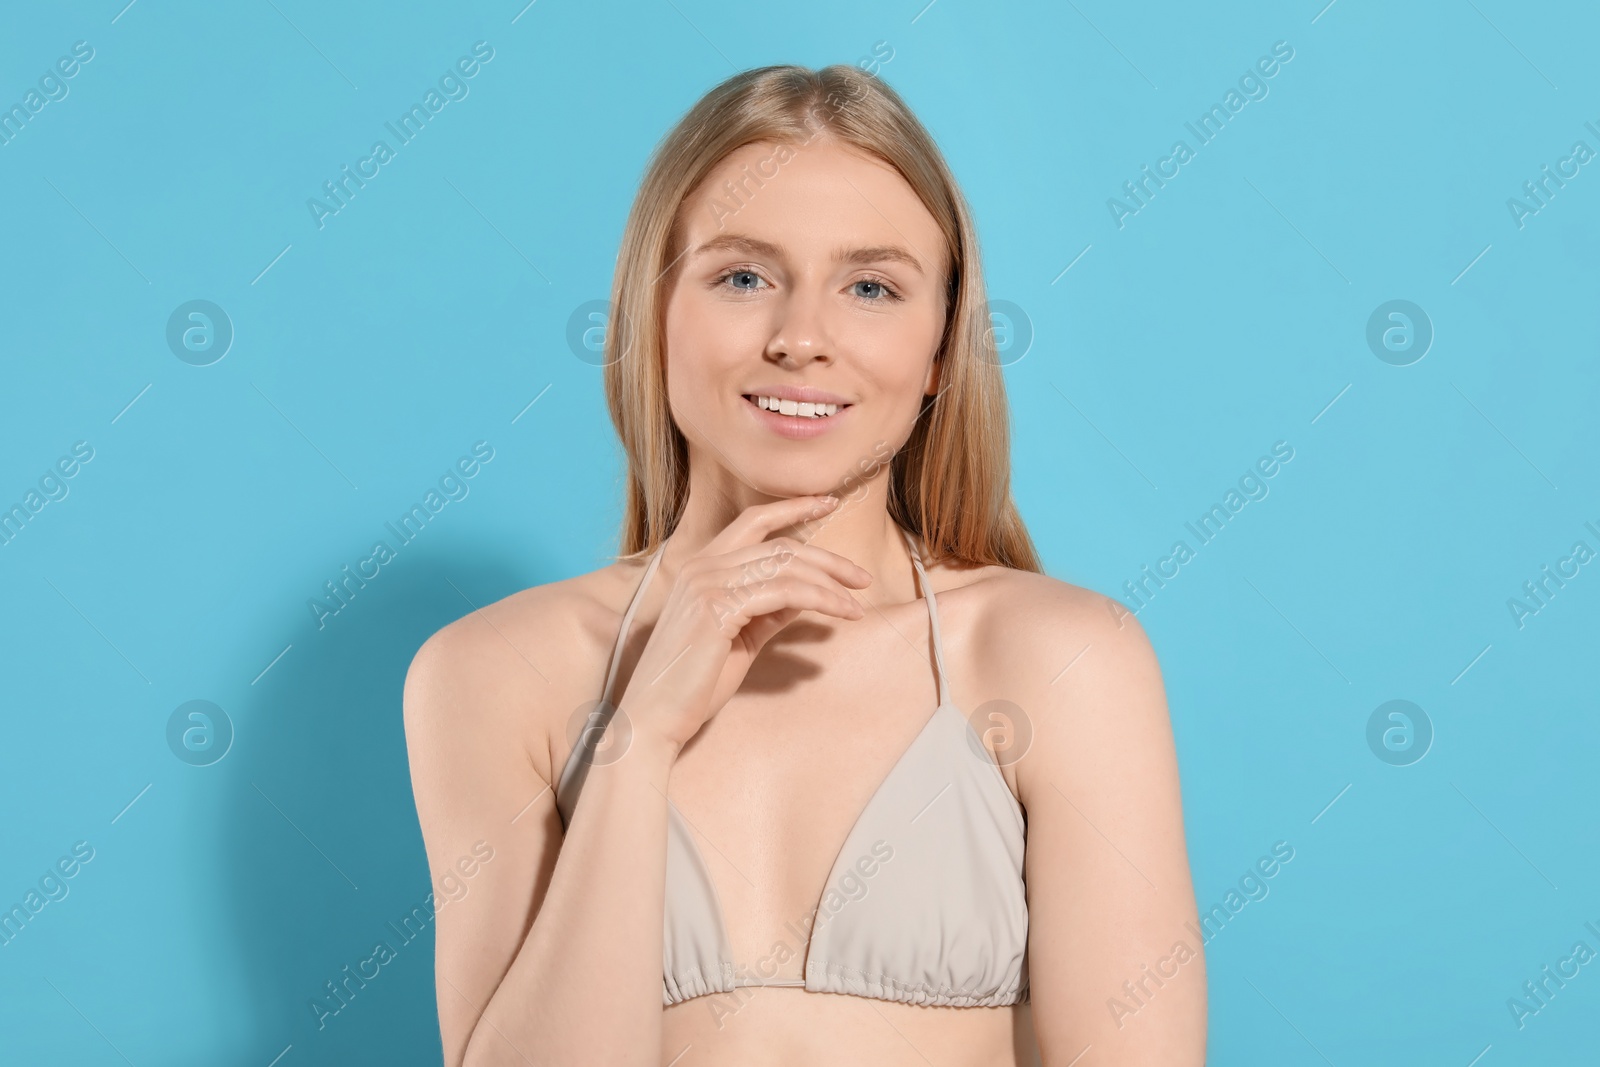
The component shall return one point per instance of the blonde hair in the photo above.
(950, 483)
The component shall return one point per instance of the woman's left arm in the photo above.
(1115, 960)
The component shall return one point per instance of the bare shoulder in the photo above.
(1031, 626)
(515, 669)
(1076, 665)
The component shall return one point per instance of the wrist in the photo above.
(635, 729)
(641, 745)
(653, 749)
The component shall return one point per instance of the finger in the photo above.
(756, 524)
(788, 592)
(761, 629)
(735, 584)
(767, 558)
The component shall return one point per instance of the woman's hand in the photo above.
(728, 601)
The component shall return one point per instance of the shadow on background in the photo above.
(326, 861)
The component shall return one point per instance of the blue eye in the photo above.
(749, 275)
(878, 292)
(868, 290)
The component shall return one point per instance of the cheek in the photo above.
(896, 354)
(703, 350)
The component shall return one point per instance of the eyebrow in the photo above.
(738, 242)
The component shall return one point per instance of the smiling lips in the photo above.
(800, 408)
(796, 419)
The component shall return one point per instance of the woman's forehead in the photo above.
(823, 198)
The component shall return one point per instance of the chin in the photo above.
(807, 482)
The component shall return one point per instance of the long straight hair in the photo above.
(950, 484)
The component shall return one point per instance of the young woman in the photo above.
(823, 769)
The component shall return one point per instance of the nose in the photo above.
(800, 333)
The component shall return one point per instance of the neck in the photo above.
(859, 529)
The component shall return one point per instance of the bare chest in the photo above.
(774, 783)
(770, 790)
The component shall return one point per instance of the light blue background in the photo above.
(1228, 314)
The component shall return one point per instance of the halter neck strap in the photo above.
(933, 617)
(627, 620)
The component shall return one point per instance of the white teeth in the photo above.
(801, 410)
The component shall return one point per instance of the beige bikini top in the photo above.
(926, 902)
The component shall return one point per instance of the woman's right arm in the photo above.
(582, 984)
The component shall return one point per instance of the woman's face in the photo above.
(806, 271)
